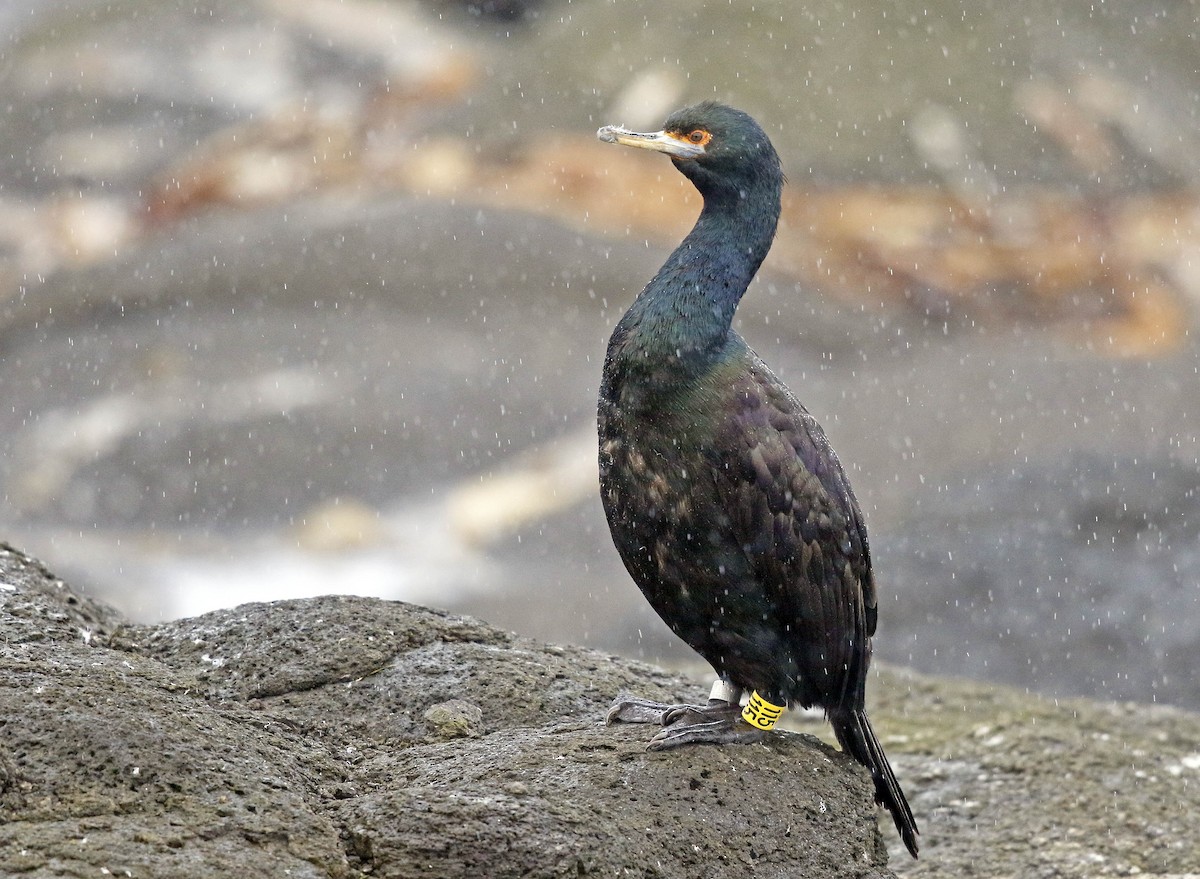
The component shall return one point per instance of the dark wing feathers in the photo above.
(792, 510)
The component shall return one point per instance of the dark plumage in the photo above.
(727, 504)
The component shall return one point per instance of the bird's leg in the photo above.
(722, 700)
(731, 727)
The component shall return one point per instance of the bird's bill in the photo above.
(659, 141)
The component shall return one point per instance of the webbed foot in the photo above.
(728, 730)
(629, 709)
(723, 704)
(716, 709)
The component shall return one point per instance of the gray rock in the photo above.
(309, 738)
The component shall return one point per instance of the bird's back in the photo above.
(735, 518)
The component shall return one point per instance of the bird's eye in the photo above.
(698, 136)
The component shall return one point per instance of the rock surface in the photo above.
(317, 738)
(343, 737)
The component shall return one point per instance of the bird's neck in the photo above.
(683, 316)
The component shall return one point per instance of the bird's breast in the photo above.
(641, 482)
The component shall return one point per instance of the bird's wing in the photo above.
(791, 508)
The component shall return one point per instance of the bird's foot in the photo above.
(630, 709)
(723, 701)
(729, 729)
(687, 715)
(721, 722)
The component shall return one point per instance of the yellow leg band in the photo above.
(761, 713)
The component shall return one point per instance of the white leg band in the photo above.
(725, 692)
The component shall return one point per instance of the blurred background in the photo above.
(311, 296)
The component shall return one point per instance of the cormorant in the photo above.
(725, 500)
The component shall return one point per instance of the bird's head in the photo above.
(715, 146)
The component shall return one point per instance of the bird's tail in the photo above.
(854, 733)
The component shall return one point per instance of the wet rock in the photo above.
(455, 718)
(309, 738)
